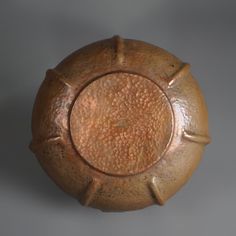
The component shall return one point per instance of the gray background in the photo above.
(36, 35)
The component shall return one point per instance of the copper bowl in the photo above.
(119, 124)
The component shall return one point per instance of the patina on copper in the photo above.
(119, 124)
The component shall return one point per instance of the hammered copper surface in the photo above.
(119, 124)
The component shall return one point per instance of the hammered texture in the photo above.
(121, 123)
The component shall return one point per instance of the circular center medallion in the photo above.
(121, 123)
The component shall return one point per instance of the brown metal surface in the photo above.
(119, 124)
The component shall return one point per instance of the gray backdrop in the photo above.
(36, 35)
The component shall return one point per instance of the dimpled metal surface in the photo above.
(120, 124)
